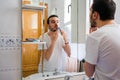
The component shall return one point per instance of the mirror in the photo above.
(33, 27)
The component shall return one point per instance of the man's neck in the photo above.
(107, 22)
(51, 32)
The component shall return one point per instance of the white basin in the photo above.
(58, 76)
(45, 75)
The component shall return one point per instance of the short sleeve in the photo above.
(92, 45)
(40, 46)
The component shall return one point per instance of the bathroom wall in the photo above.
(10, 39)
(57, 7)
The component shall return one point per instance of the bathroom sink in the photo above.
(46, 75)
(57, 76)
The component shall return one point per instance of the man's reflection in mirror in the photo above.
(56, 41)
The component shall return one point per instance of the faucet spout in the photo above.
(56, 72)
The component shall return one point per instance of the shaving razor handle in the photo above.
(60, 30)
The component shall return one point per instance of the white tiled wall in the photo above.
(10, 40)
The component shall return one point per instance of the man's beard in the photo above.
(92, 23)
(53, 29)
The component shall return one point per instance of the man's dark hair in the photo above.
(51, 17)
(105, 8)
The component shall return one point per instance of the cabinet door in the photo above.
(32, 22)
(30, 56)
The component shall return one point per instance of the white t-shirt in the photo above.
(103, 50)
(55, 61)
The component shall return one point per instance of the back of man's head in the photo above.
(105, 8)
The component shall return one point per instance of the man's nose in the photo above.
(56, 24)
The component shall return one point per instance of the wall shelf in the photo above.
(33, 42)
(33, 7)
(41, 45)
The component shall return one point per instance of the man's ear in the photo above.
(95, 15)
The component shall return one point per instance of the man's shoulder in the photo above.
(44, 35)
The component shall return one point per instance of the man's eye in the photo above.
(52, 21)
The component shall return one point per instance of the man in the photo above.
(103, 45)
(56, 40)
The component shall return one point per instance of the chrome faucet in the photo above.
(67, 77)
(56, 72)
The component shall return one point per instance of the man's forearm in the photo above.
(67, 49)
(89, 69)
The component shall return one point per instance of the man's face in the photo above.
(53, 24)
(92, 20)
